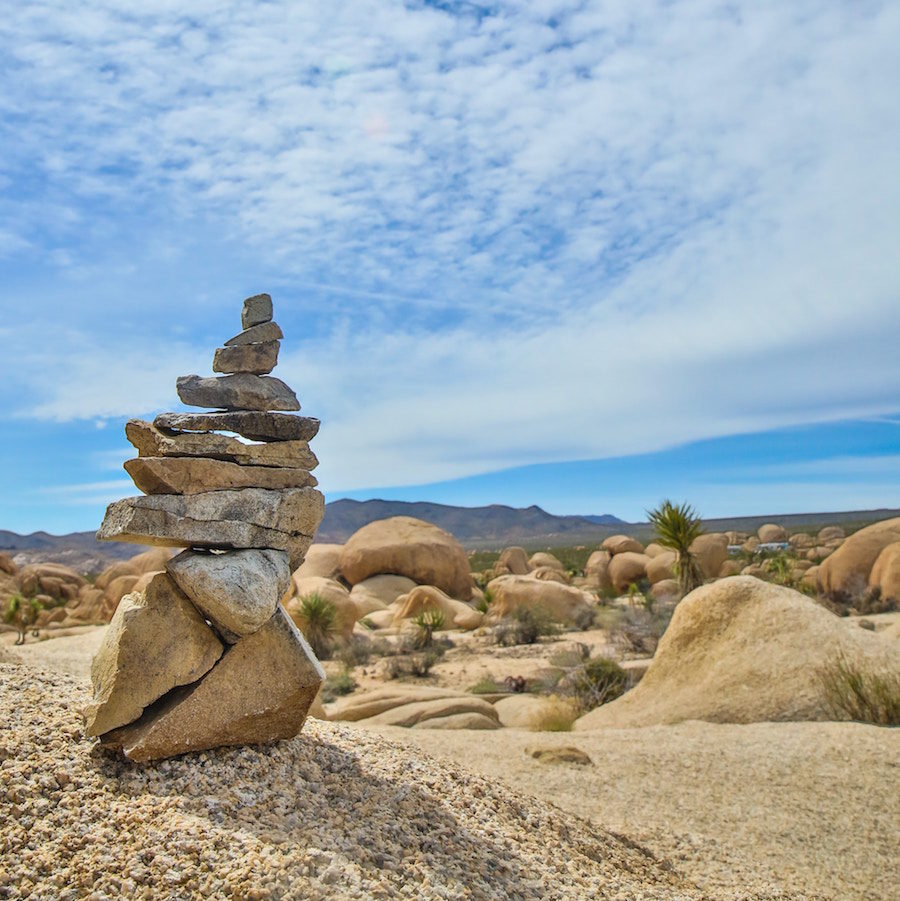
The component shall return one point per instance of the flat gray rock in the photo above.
(225, 520)
(156, 641)
(256, 310)
(194, 475)
(249, 423)
(241, 391)
(268, 331)
(257, 359)
(153, 442)
(259, 691)
(237, 591)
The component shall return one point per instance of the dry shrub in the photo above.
(861, 696)
(556, 715)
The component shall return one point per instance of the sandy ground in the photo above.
(769, 810)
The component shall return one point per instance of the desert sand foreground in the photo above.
(696, 810)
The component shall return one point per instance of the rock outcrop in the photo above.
(845, 573)
(741, 650)
(205, 655)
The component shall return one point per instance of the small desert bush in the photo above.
(318, 615)
(585, 618)
(597, 682)
(485, 602)
(526, 626)
(358, 650)
(636, 630)
(418, 664)
(337, 686)
(556, 715)
(861, 696)
(486, 686)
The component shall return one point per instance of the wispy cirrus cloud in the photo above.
(506, 234)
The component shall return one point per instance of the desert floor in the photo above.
(767, 810)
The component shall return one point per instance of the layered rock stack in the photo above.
(206, 655)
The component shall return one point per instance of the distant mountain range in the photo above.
(477, 528)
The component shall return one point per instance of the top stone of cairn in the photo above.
(256, 311)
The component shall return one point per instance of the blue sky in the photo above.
(658, 238)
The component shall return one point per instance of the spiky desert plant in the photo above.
(428, 622)
(22, 613)
(318, 615)
(677, 527)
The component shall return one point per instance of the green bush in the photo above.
(318, 615)
(338, 686)
(22, 613)
(526, 626)
(597, 682)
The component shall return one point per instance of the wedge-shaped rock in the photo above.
(225, 520)
(256, 358)
(237, 591)
(268, 331)
(249, 423)
(153, 442)
(260, 691)
(194, 475)
(237, 392)
(256, 310)
(156, 641)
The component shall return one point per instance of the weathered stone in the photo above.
(156, 641)
(237, 591)
(225, 520)
(255, 358)
(241, 391)
(260, 691)
(194, 475)
(257, 310)
(268, 331)
(250, 423)
(152, 442)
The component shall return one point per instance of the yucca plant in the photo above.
(22, 613)
(677, 527)
(428, 622)
(318, 615)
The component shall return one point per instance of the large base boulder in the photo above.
(408, 547)
(156, 641)
(741, 650)
(260, 690)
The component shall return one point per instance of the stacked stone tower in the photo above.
(205, 655)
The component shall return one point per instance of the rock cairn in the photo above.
(206, 655)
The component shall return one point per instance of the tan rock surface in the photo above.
(511, 593)
(152, 442)
(742, 650)
(885, 575)
(844, 574)
(523, 711)
(156, 641)
(771, 532)
(259, 691)
(627, 567)
(346, 610)
(250, 423)
(195, 475)
(266, 331)
(830, 533)
(256, 310)
(248, 518)
(379, 592)
(596, 569)
(472, 720)
(364, 705)
(152, 560)
(236, 392)
(237, 591)
(515, 559)
(550, 574)
(457, 614)
(711, 551)
(408, 715)
(408, 547)
(654, 549)
(620, 544)
(321, 560)
(661, 567)
(541, 558)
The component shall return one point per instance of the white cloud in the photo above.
(651, 223)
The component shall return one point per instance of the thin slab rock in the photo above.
(257, 359)
(194, 475)
(225, 520)
(250, 423)
(268, 331)
(153, 442)
(237, 591)
(260, 691)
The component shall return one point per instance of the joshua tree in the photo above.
(22, 613)
(677, 526)
(318, 614)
